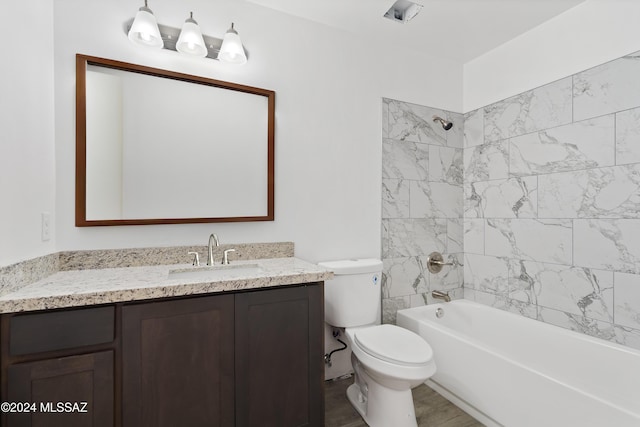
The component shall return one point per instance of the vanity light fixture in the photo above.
(190, 40)
(145, 31)
(232, 50)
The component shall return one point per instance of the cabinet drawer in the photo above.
(58, 330)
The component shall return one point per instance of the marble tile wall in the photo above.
(552, 203)
(422, 204)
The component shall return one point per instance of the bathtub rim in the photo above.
(467, 340)
(564, 331)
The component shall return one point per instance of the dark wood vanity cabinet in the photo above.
(251, 358)
(177, 363)
(58, 368)
(67, 391)
(245, 359)
(279, 357)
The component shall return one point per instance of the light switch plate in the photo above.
(46, 226)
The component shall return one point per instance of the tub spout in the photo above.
(441, 295)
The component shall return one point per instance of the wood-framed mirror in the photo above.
(160, 147)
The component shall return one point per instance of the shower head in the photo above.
(446, 125)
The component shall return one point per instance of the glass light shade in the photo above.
(232, 50)
(190, 40)
(144, 30)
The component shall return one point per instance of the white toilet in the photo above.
(388, 361)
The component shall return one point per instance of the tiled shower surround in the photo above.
(422, 196)
(551, 204)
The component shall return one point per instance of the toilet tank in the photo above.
(353, 296)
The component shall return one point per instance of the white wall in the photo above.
(589, 34)
(27, 181)
(328, 86)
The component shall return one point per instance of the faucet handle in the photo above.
(196, 258)
(225, 256)
(435, 262)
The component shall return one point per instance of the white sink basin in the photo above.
(215, 272)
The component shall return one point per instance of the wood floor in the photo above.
(432, 410)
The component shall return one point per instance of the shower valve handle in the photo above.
(435, 262)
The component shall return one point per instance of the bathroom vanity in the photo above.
(242, 349)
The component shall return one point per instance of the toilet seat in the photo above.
(394, 344)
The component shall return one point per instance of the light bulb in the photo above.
(232, 50)
(190, 41)
(144, 30)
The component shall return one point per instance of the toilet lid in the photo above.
(394, 344)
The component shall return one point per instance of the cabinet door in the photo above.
(178, 363)
(279, 367)
(55, 385)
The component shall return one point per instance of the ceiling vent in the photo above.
(403, 11)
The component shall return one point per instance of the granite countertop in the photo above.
(101, 286)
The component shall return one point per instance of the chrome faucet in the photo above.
(441, 295)
(213, 241)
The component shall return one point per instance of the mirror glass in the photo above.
(154, 147)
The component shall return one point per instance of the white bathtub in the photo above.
(507, 370)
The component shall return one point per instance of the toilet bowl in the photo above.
(388, 361)
(393, 354)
